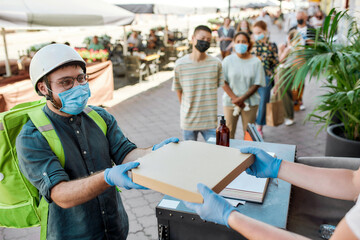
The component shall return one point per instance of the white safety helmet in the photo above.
(51, 57)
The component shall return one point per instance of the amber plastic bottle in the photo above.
(223, 133)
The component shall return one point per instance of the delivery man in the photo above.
(83, 202)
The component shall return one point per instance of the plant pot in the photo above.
(338, 146)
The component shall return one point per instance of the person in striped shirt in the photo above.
(197, 78)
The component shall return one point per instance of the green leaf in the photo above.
(351, 95)
(357, 120)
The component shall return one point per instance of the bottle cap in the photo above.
(222, 120)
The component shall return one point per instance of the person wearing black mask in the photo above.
(307, 33)
(197, 77)
(306, 30)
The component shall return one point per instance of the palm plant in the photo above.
(336, 64)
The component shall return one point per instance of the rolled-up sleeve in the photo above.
(120, 145)
(176, 85)
(37, 162)
(221, 79)
(259, 74)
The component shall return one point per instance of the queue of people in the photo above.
(235, 85)
(247, 74)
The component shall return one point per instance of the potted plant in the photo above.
(336, 63)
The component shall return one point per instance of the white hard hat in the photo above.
(51, 57)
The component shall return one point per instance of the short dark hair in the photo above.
(202, 28)
(247, 37)
(242, 33)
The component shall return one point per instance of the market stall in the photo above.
(19, 89)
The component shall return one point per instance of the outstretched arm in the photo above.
(73, 193)
(69, 194)
(254, 229)
(334, 183)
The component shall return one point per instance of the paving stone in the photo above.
(136, 202)
(148, 221)
(152, 232)
(133, 193)
(137, 236)
(154, 197)
(130, 214)
(143, 211)
(135, 226)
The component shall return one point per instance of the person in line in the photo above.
(335, 183)
(243, 75)
(305, 29)
(292, 44)
(318, 19)
(95, 44)
(307, 38)
(197, 77)
(83, 200)
(226, 34)
(244, 26)
(267, 52)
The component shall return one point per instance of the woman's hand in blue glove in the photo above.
(163, 143)
(214, 209)
(118, 176)
(265, 166)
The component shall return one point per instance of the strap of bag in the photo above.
(97, 118)
(43, 124)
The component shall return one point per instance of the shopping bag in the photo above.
(275, 111)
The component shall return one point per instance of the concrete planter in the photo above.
(338, 146)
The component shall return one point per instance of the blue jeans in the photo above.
(264, 99)
(193, 135)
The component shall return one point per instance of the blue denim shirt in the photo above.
(87, 151)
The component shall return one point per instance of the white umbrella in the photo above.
(166, 7)
(171, 7)
(45, 13)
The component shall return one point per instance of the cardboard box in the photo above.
(177, 168)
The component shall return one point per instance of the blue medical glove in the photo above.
(163, 143)
(214, 209)
(118, 176)
(265, 166)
